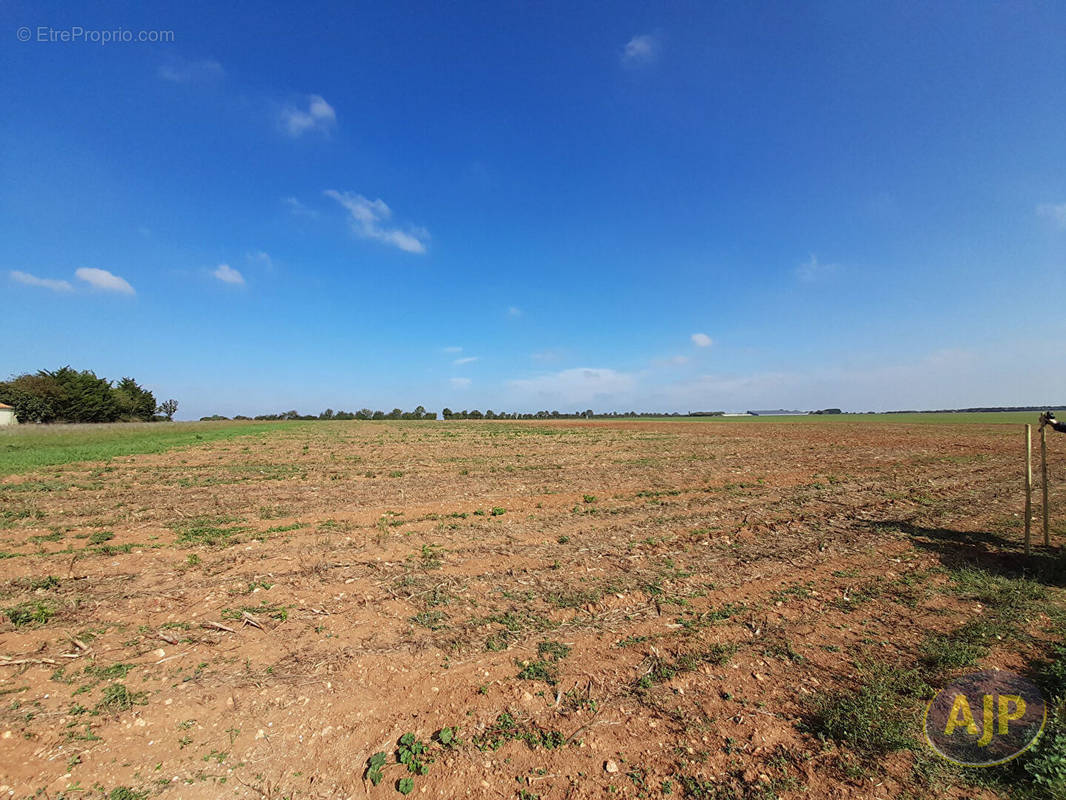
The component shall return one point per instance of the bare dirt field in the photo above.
(553, 610)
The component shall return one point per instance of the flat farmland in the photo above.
(549, 609)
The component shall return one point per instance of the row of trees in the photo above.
(69, 395)
(586, 414)
(329, 413)
(421, 413)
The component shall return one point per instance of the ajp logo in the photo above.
(985, 718)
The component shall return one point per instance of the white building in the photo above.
(7, 415)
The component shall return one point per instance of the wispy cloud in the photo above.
(642, 49)
(467, 360)
(298, 208)
(103, 280)
(452, 349)
(702, 340)
(44, 283)
(262, 258)
(1056, 212)
(546, 355)
(227, 274)
(814, 270)
(319, 117)
(368, 218)
(459, 383)
(181, 70)
(514, 311)
(583, 385)
(956, 378)
(671, 361)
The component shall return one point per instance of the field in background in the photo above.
(31, 446)
(26, 447)
(745, 609)
(917, 417)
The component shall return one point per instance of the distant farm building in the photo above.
(7, 415)
(777, 412)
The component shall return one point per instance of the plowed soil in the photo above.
(596, 609)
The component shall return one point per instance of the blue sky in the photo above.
(524, 206)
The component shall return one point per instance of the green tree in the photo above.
(168, 409)
(82, 396)
(134, 402)
(34, 397)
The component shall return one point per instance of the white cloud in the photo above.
(319, 117)
(996, 375)
(812, 270)
(467, 360)
(182, 71)
(514, 311)
(298, 208)
(642, 49)
(581, 385)
(44, 283)
(103, 280)
(227, 274)
(702, 340)
(1056, 212)
(452, 349)
(368, 216)
(459, 383)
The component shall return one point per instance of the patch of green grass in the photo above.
(286, 528)
(431, 557)
(434, 620)
(46, 583)
(1001, 592)
(538, 670)
(506, 729)
(275, 611)
(32, 612)
(574, 598)
(875, 714)
(110, 672)
(554, 651)
(208, 531)
(118, 698)
(659, 670)
(99, 537)
(111, 549)
(54, 536)
(24, 447)
(717, 654)
(946, 652)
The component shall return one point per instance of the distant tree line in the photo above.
(980, 410)
(586, 414)
(421, 413)
(365, 413)
(70, 395)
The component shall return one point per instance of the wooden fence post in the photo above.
(1043, 481)
(1028, 488)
